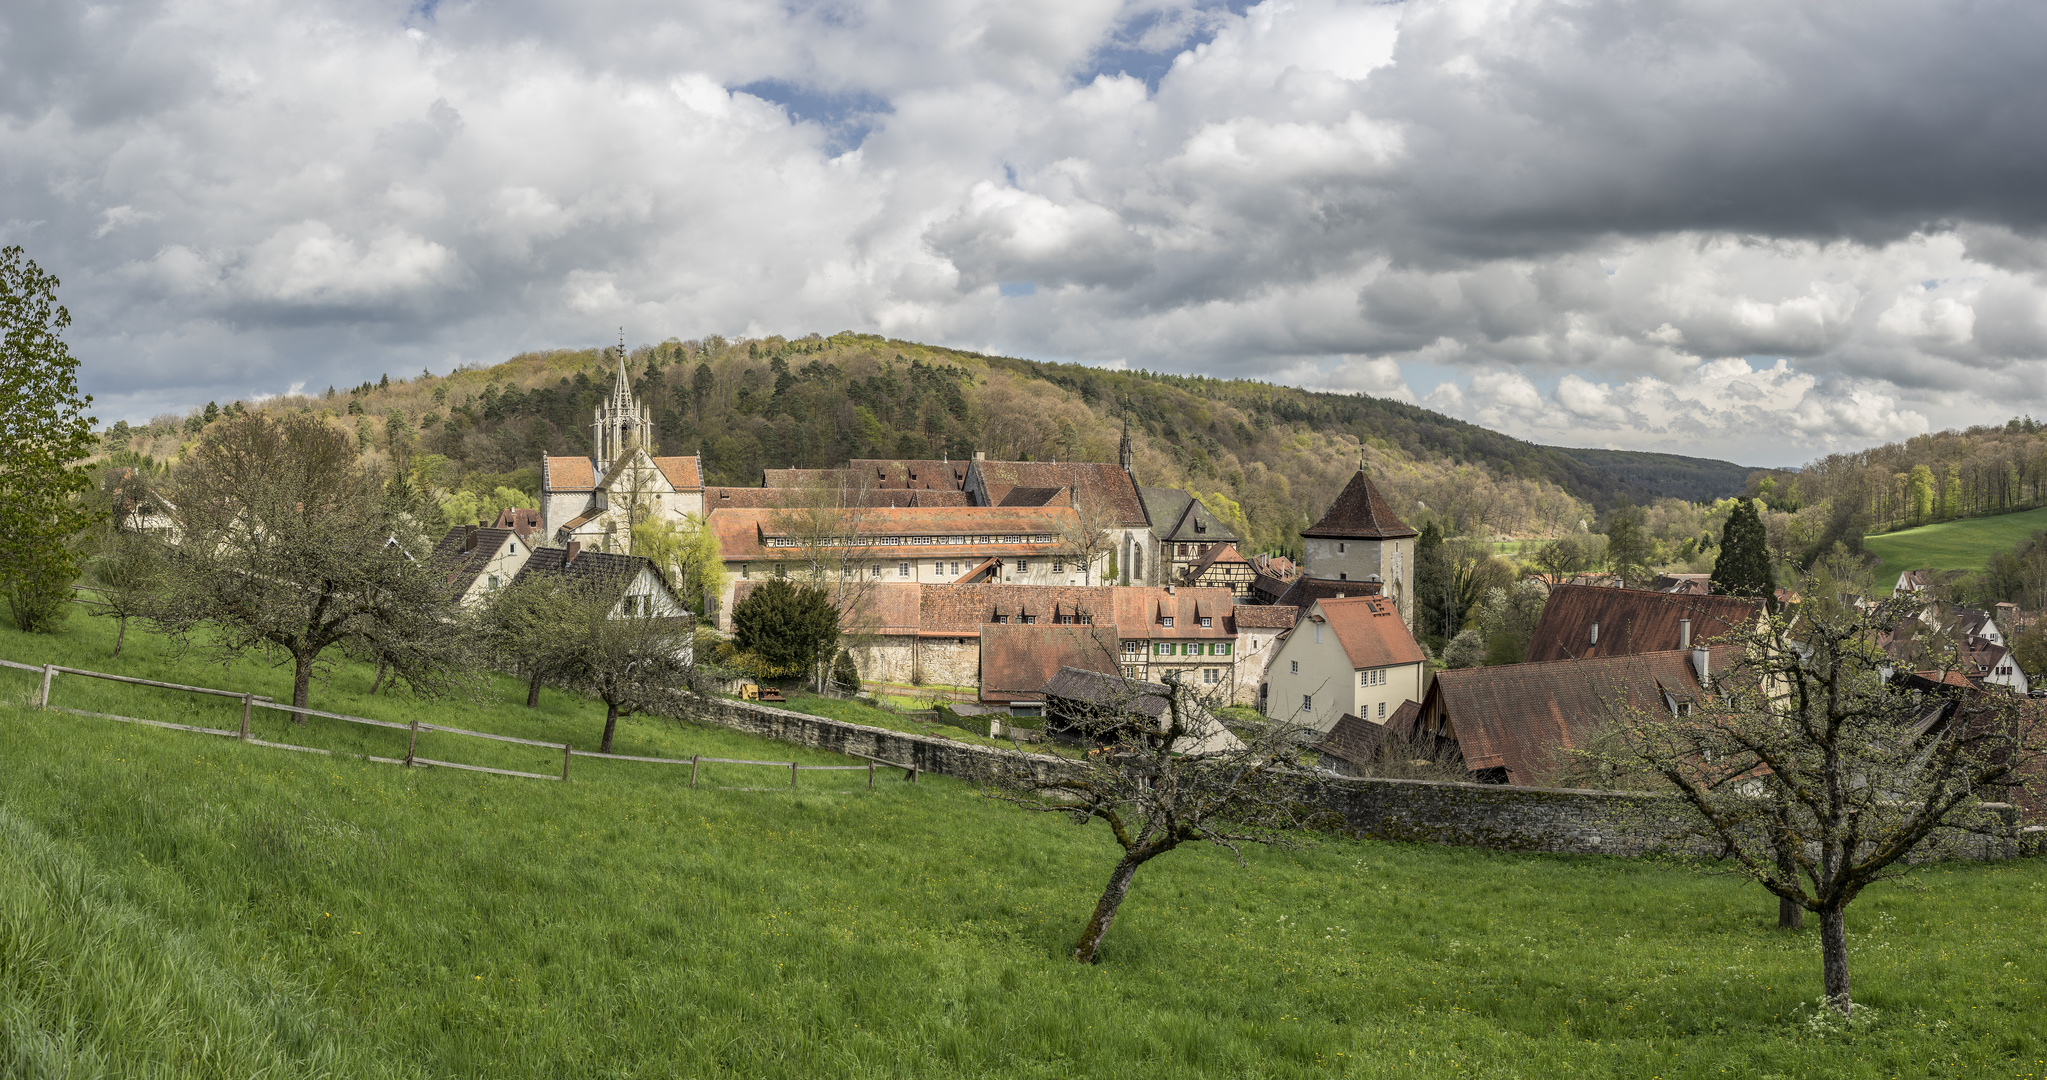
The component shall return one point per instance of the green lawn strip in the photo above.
(457, 924)
(855, 712)
(1951, 545)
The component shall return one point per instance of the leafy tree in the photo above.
(790, 627)
(1815, 775)
(44, 434)
(1465, 650)
(1743, 568)
(1159, 777)
(632, 660)
(289, 544)
(1507, 619)
(1628, 545)
(701, 385)
(1561, 560)
(687, 554)
(1919, 492)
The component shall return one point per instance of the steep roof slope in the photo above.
(1360, 512)
(1629, 621)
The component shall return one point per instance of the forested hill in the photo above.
(1269, 458)
(1668, 475)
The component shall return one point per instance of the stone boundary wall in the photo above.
(1498, 817)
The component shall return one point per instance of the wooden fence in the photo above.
(251, 702)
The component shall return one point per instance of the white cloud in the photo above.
(1576, 217)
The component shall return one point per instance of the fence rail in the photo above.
(250, 701)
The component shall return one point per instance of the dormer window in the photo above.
(1207, 622)
(1166, 622)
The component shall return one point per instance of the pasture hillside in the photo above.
(181, 904)
(1965, 544)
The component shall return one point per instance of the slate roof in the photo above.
(1088, 478)
(463, 566)
(1370, 630)
(1266, 617)
(1179, 518)
(1525, 718)
(1360, 513)
(1017, 661)
(1354, 739)
(568, 474)
(1630, 621)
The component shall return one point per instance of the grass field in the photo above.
(1951, 545)
(178, 904)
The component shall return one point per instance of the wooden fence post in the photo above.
(248, 703)
(870, 776)
(49, 672)
(412, 744)
(792, 774)
(567, 749)
(693, 759)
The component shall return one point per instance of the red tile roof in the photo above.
(1017, 661)
(741, 531)
(1266, 616)
(1360, 513)
(1629, 620)
(758, 498)
(913, 473)
(681, 472)
(567, 474)
(1087, 479)
(1370, 630)
(520, 520)
(1527, 718)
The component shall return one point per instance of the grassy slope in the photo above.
(1951, 545)
(437, 923)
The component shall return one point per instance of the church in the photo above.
(595, 500)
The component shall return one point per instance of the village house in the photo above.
(595, 501)
(1583, 621)
(480, 561)
(1082, 702)
(1520, 723)
(1348, 655)
(641, 588)
(1185, 533)
(520, 520)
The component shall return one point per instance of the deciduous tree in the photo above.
(45, 434)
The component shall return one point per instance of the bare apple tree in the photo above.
(1161, 771)
(1816, 770)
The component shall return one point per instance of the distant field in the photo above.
(179, 904)
(1951, 545)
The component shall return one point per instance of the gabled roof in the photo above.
(1017, 660)
(600, 567)
(1370, 630)
(1629, 621)
(742, 532)
(462, 566)
(1190, 522)
(1354, 739)
(568, 474)
(1266, 616)
(767, 498)
(1035, 496)
(1109, 696)
(519, 519)
(1219, 553)
(1360, 513)
(1526, 718)
(913, 473)
(1086, 479)
(681, 472)
(1302, 591)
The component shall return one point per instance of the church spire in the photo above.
(1126, 454)
(621, 422)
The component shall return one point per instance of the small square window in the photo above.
(902, 570)
(1022, 565)
(1208, 676)
(1167, 622)
(1207, 622)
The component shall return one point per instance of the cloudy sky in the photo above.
(1753, 229)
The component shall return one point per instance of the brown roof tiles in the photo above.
(1017, 661)
(1371, 631)
(1087, 479)
(1360, 513)
(568, 474)
(1629, 621)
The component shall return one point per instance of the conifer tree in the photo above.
(1743, 568)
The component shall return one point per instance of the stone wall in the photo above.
(1499, 817)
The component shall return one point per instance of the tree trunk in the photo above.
(379, 680)
(533, 690)
(610, 725)
(121, 635)
(301, 686)
(1790, 914)
(1105, 909)
(1834, 957)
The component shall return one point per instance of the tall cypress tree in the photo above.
(1743, 568)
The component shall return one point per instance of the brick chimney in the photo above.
(575, 549)
(468, 538)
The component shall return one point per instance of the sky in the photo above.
(1760, 230)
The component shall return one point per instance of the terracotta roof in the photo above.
(1302, 591)
(569, 527)
(757, 498)
(1134, 611)
(1017, 661)
(463, 566)
(913, 473)
(741, 531)
(1217, 553)
(1629, 621)
(568, 474)
(1360, 513)
(1266, 616)
(1371, 631)
(885, 607)
(681, 472)
(796, 478)
(1525, 718)
(1087, 479)
(520, 520)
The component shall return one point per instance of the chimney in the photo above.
(468, 538)
(1339, 596)
(1595, 634)
(980, 455)
(1169, 591)
(1684, 633)
(575, 549)
(1700, 663)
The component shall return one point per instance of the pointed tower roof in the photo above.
(1360, 513)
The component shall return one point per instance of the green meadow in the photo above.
(1966, 544)
(177, 904)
